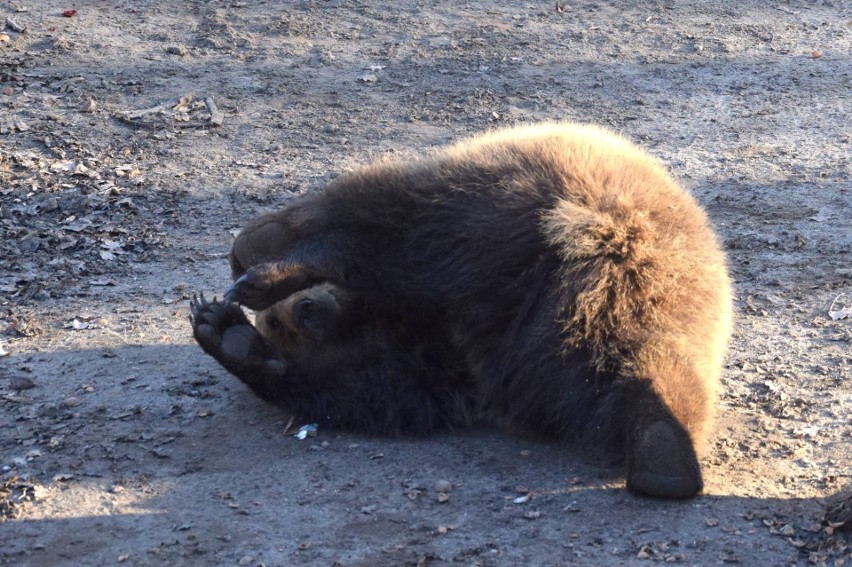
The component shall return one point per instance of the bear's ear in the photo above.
(304, 314)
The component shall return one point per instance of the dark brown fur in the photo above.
(583, 290)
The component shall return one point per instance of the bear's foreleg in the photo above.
(268, 283)
(368, 384)
(225, 333)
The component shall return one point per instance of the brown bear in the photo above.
(553, 276)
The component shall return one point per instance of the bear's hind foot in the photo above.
(662, 463)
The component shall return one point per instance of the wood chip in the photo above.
(15, 26)
(216, 116)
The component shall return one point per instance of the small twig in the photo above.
(140, 113)
(831, 307)
(63, 82)
(287, 428)
(136, 123)
(189, 125)
(786, 10)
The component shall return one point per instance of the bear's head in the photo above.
(309, 317)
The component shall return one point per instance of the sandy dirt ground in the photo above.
(137, 137)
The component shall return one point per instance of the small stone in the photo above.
(21, 383)
(49, 205)
(522, 499)
(177, 50)
(442, 530)
(526, 453)
(89, 105)
(443, 486)
(643, 554)
(522, 490)
(443, 497)
(71, 402)
(788, 530)
(245, 560)
(532, 515)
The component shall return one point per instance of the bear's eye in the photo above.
(273, 323)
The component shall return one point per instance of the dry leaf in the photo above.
(840, 314)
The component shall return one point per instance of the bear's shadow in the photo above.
(194, 452)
